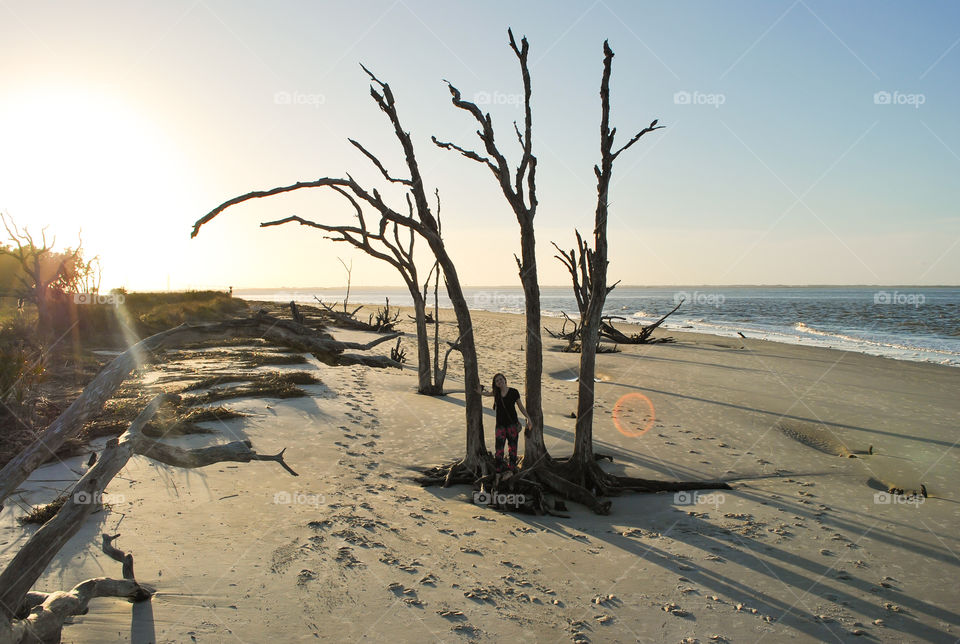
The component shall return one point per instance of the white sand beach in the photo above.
(807, 546)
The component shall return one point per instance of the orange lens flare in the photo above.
(631, 405)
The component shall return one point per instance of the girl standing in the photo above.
(506, 400)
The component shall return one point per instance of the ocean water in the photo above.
(906, 323)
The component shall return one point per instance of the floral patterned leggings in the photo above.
(510, 435)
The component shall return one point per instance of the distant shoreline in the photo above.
(250, 290)
(905, 323)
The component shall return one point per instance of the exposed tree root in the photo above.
(527, 490)
(466, 471)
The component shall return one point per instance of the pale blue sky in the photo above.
(134, 119)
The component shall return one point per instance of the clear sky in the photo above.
(807, 142)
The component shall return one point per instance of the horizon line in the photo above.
(250, 289)
(568, 286)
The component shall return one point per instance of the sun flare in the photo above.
(75, 159)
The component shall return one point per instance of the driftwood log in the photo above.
(610, 332)
(607, 330)
(385, 319)
(38, 617)
(344, 319)
(284, 332)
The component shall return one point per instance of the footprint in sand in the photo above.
(346, 558)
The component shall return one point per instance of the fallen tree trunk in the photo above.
(47, 612)
(563, 334)
(280, 331)
(610, 332)
(346, 320)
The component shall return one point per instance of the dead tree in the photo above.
(582, 468)
(385, 244)
(384, 320)
(607, 330)
(39, 617)
(422, 221)
(579, 477)
(44, 272)
(570, 336)
(296, 314)
(70, 422)
(398, 354)
(575, 261)
(349, 270)
(519, 188)
(342, 319)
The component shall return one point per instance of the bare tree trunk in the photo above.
(519, 189)
(35, 555)
(583, 441)
(534, 449)
(597, 262)
(424, 377)
(438, 377)
(349, 274)
(476, 455)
